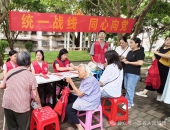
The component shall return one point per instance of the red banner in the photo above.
(30, 21)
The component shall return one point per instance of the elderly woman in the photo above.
(88, 95)
(18, 84)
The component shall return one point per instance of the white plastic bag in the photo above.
(92, 66)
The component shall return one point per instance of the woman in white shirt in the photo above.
(112, 77)
(123, 49)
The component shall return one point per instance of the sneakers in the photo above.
(159, 98)
(124, 107)
(141, 94)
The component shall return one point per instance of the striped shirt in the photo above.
(18, 88)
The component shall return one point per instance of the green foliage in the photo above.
(30, 5)
(29, 46)
(3, 46)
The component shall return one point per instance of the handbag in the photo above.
(59, 106)
(165, 61)
(153, 77)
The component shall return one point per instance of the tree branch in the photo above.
(138, 2)
(108, 7)
(103, 11)
(5, 5)
(93, 3)
(2, 17)
(113, 5)
(128, 8)
(141, 15)
(118, 8)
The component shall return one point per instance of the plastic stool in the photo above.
(89, 115)
(44, 117)
(113, 116)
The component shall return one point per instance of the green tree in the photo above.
(3, 46)
(125, 8)
(29, 46)
(31, 5)
(158, 20)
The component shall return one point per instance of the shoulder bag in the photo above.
(165, 61)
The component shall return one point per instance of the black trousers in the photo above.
(17, 121)
(123, 64)
(71, 112)
(43, 91)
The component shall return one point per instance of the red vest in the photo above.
(38, 69)
(99, 52)
(61, 64)
(9, 66)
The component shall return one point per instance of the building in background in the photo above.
(46, 41)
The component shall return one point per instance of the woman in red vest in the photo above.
(62, 63)
(11, 62)
(39, 67)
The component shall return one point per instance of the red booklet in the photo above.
(58, 74)
(45, 76)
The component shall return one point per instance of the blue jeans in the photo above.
(130, 81)
(104, 94)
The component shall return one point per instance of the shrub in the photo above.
(29, 46)
(3, 46)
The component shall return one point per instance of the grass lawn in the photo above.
(50, 56)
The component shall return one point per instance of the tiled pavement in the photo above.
(146, 114)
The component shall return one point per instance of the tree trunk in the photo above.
(11, 45)
(1, 60)
(141, 16)
(4, 5)
(2, 18)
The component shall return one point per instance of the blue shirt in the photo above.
(91, 99)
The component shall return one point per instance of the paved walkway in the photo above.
(146, 114)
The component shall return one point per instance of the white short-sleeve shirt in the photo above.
(5, 67)
(122, 52)
(112, 79)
